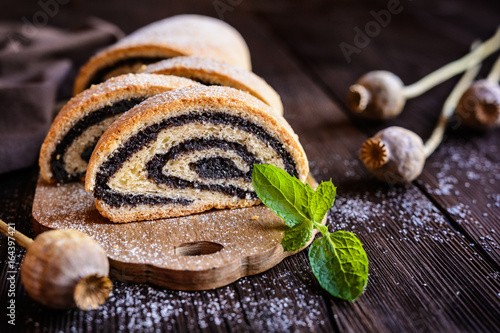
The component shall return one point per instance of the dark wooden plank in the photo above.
(422, 272)
(465, 184)
(412, 45)
(16, 195)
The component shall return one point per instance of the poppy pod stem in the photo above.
(476, 56)
(382, 95)
(494, 75)
(449, 107)
(20, 238)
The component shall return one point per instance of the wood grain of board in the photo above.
(197, 252)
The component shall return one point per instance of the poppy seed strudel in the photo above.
(188, 151)
(181, 35)
(74, 133)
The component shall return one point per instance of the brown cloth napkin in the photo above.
(37, 67)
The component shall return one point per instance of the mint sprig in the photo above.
(337, 259)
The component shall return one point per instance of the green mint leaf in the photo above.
(283, 194)
(340, 264)
(297, 237)
(322, 201)
(338, 260)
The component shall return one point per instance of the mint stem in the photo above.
(338, 259)
(322, 228)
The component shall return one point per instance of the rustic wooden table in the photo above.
(433, 245)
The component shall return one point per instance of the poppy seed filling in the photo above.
(100, 74)
(206, 168)
(57, 159)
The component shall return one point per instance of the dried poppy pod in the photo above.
(377, 95)
(382, 95)
(63, 268)
(479, 106)
(396, 155)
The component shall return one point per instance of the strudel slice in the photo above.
(75, 131)
(188, 151)
(180, 35)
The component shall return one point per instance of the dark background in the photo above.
(432, 245)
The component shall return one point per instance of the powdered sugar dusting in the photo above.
(207, 65)
(474, 201)
(273, 302)
(127, 85)
(218, 72)
(191, 35)
(464, 161)
(402, 209)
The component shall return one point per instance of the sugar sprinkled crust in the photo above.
(182, 101)
(171, 37)
(115, 89)
(215, 71)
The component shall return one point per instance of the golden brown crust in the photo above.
(175, 102)
(218, 72)
(175, 36)
(115, 89)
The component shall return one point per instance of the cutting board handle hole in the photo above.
(197, 248)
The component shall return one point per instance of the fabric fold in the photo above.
(35, 71)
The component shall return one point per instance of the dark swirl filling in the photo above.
(207, 168)
(57, 159)
(99, 76)
(218, 168)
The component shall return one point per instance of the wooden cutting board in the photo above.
(196, 252)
